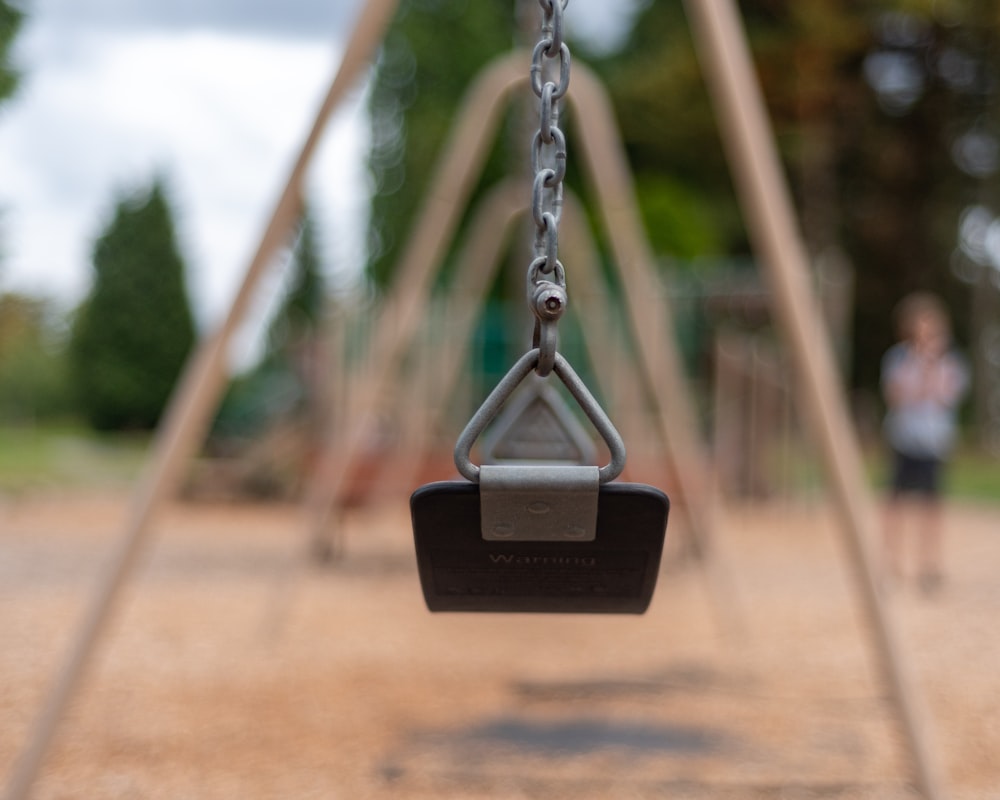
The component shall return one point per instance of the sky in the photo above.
(214, 96)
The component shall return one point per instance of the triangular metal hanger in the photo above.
(537, 425)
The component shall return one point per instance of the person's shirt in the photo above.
(922, 395)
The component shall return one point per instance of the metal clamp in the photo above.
(502, 391)
(547, 300)
(538, 503)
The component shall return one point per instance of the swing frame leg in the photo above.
(746, 132)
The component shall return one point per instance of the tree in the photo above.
(806, 54)
(10, 23)
(32, 360)
(273, 415)
(300, 315)
(883, 115)
(671, 137)
(901, 191)
(430, 54)
(284, 384)
(134, 331)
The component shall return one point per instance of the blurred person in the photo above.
(923, 381)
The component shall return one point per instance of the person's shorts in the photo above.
(916, 475)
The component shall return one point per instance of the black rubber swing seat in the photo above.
(615, 573)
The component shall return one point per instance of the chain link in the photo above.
(546, 276)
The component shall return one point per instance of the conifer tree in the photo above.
(135, 330)
(283, 384)
(299, 315)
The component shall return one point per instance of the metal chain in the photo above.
(546, 276)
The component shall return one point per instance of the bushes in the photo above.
(33, 380)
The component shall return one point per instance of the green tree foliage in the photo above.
(10, 23)
(432, 51)
(299, 317)
(134, 332)
(806, 53)
(670, 136)
(878, 107)
(868, 101)
(932, 80)
(33, 374)
(281, 385)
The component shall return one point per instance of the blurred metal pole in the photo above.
(650, 319)
(722, 45)
(452, 181)
(187, 417)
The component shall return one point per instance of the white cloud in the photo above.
(217, 97)
(295, 18)
(222, 116)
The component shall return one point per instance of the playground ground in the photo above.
(235, 668)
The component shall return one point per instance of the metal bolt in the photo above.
(550, 301)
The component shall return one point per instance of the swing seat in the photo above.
(614, 573)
